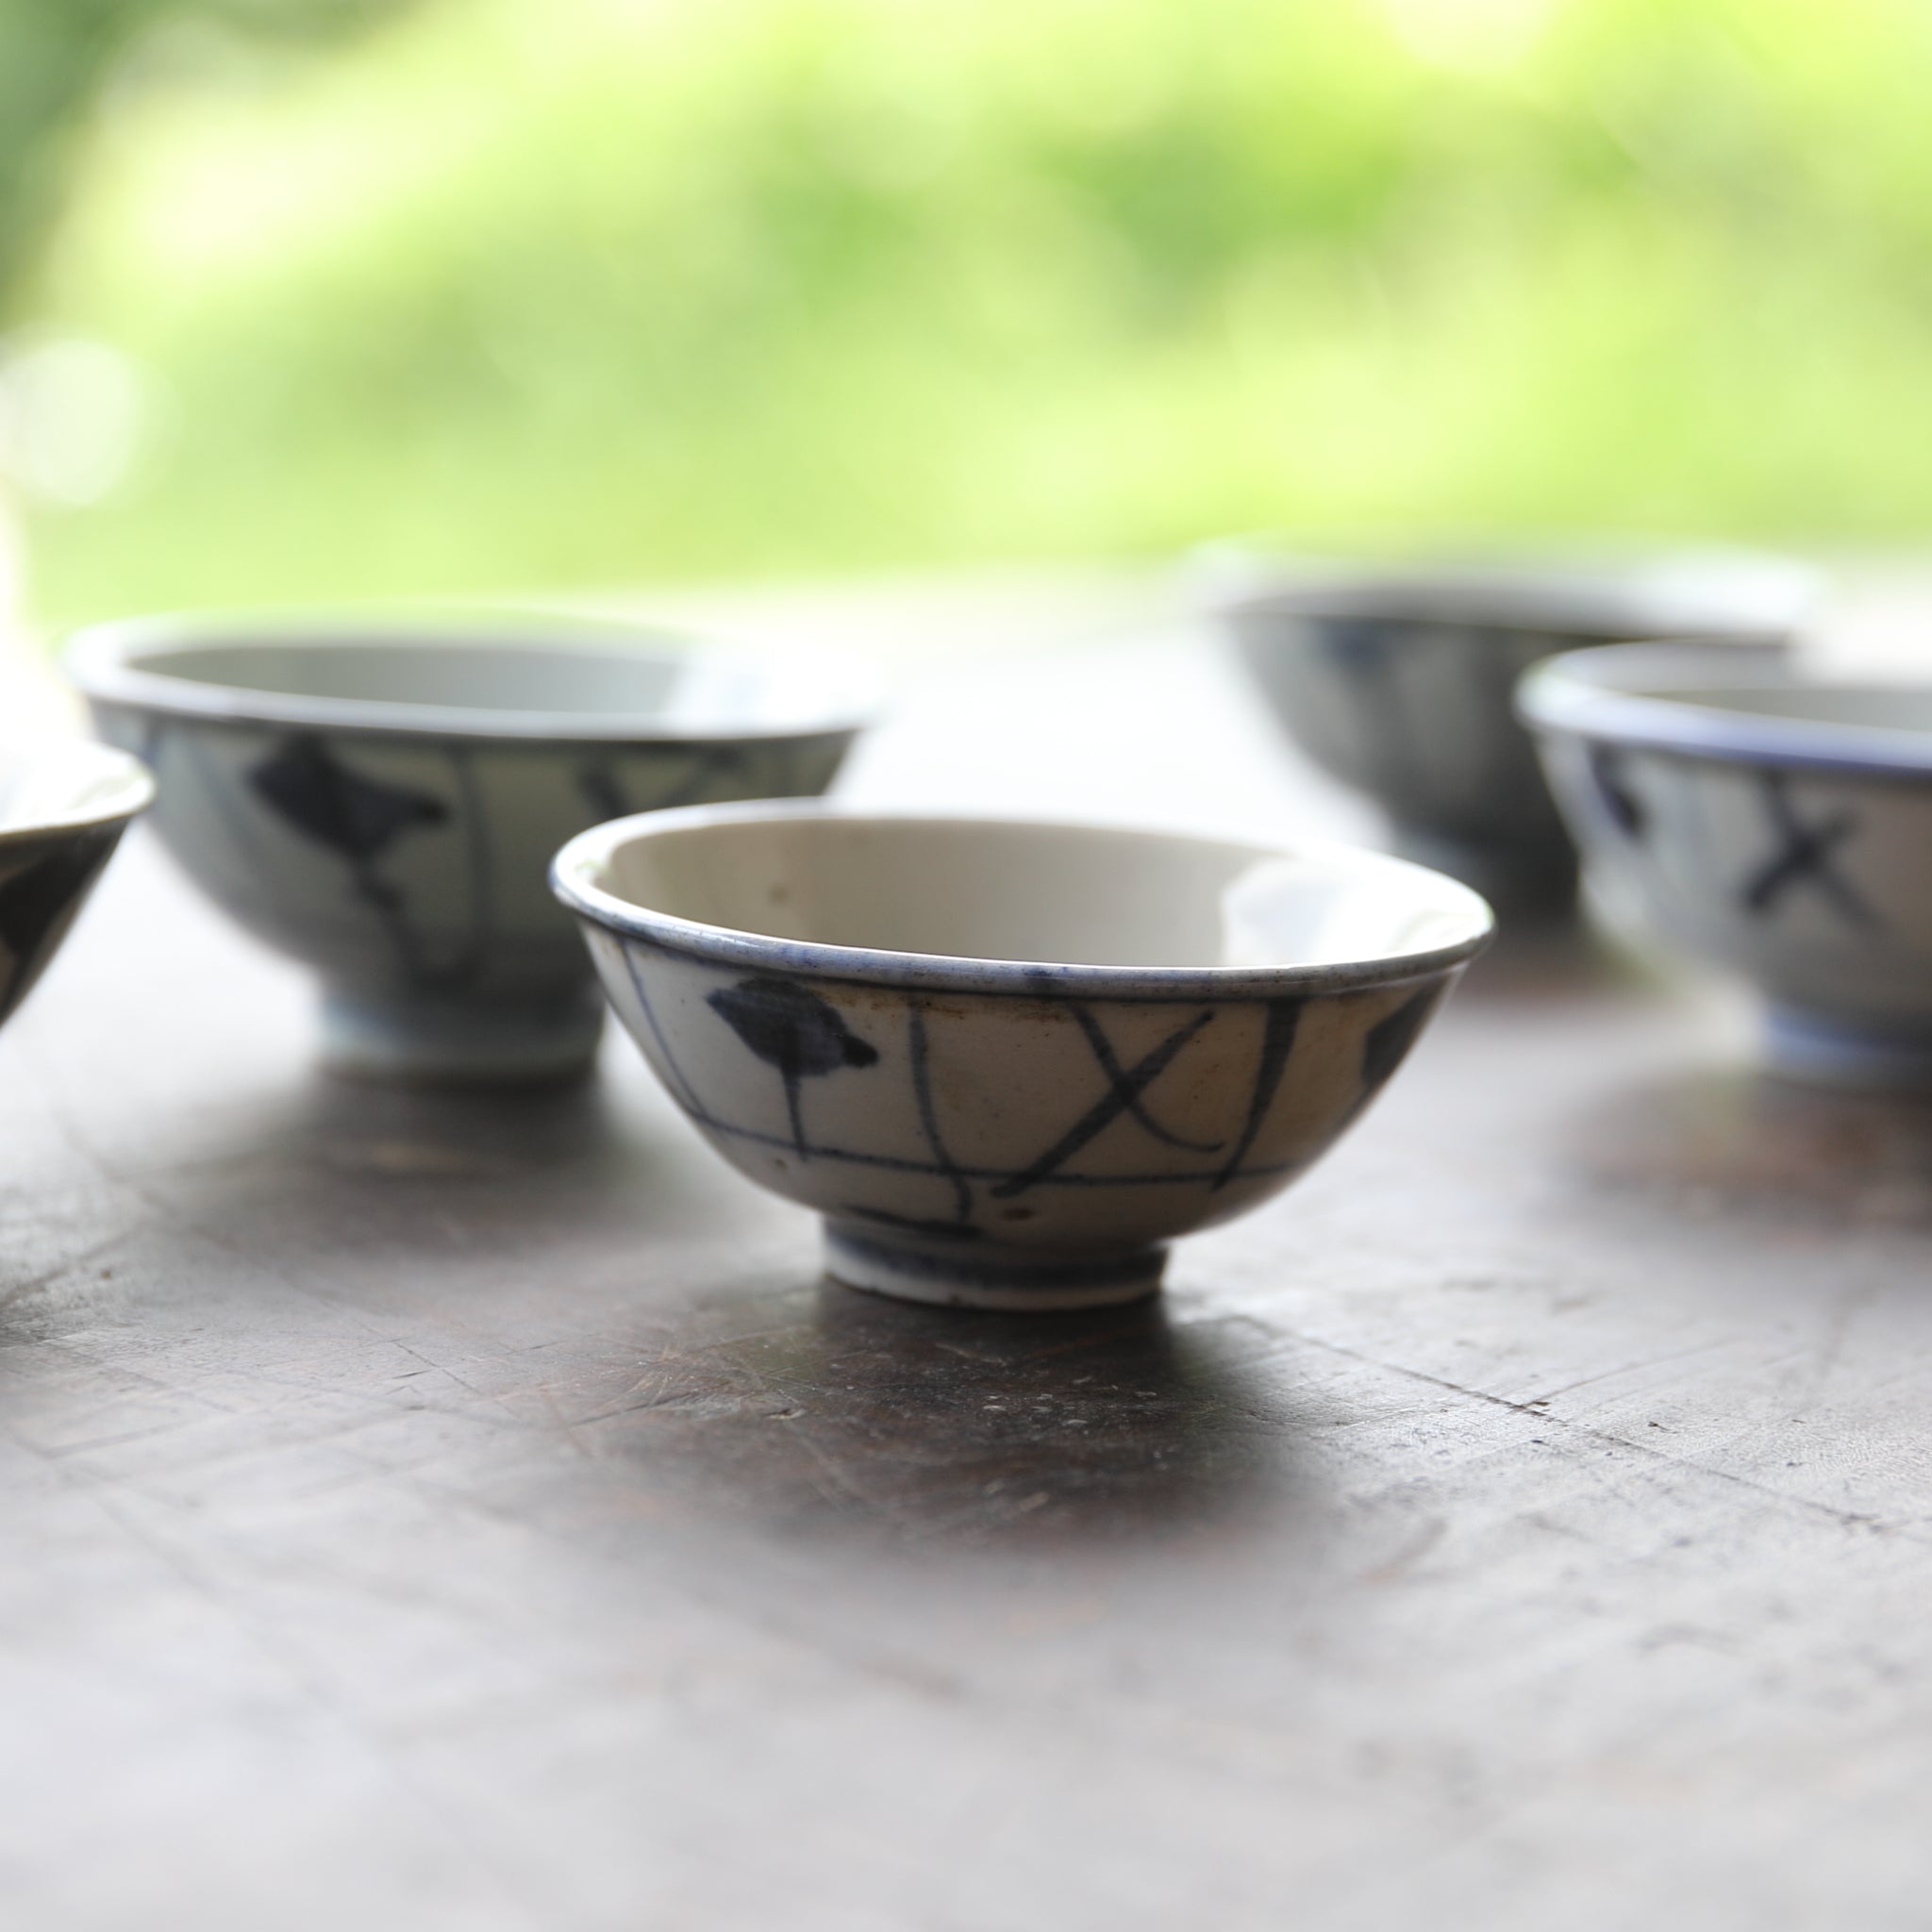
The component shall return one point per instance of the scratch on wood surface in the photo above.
(392, 1159)
(565, 1426)
(1655, 1361)
(20, 1291)
(1410, 1555)
(1842, 1317)
(1850, 1519)
(314, 1688)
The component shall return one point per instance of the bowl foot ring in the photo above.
(1821, 1051)
(974, 1277)
(428, 1042)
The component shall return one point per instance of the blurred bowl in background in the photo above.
(1008, 1062)
(1399, 681)
(380, 797)
(1729, 585)
(62, 811)
(1776, 824)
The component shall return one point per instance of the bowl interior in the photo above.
(1604, 589)
(1753, 707)
(1555, 604)
(484, 675)
(1866, 707)
(47, 787)
(493, 677)
(1061, 894)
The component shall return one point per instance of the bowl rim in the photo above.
(1625, 695)
(1500, 606)
(941, 971)
(1598, 592)
(107, 663)
(133, 793)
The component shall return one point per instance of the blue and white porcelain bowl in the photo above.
(1775, 824)
(1009, 1062)
(1399, 682)
(62, 811)
(381, 798)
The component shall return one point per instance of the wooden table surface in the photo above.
(455, 1513)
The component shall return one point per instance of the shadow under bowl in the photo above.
(858, 1012)
(380, 796)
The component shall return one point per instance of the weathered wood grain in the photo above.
(454, 1513)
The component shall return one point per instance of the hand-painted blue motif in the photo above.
(355, 816)
(360, 818)
(1390, 1038)
(1277, 1042)
(1806, 854)
(796, 1031)
(1625, 809)
(1124, 1087)
(34, 898)
(725, 766)
(803, 1036)
(1362, 648)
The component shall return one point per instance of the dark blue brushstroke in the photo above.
(1122, 1092)
(1804, 854)
(1278, 1032)
(792, 1029)
(1625, 809)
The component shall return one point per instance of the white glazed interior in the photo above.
(50, 787)
(477, 676)
(1000, 891)
(1761, 707)
(492, 679)
(1884, 707)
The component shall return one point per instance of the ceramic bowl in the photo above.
(1768, 821)
(62, 811)
(1008, 1062)
(1399, 683)
(381, 799)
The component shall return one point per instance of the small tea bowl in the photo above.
(1400, 682)
(1773, 822)
(381, 797)
(1008, 1062)
(62, 811)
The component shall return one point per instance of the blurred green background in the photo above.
(333, 297)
